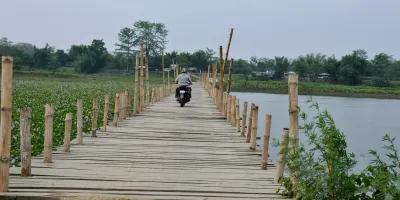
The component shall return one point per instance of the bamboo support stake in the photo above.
(233, 109)
(162, 67)
(136, 95)
(79, 121)
(208, 77)
(152, 96)
(221, 79)
(116, 110)
(280, 167)
(141, 78)
(121, 106)
(67, 134)
(6, 118)
(293, 122)
(224, 104)
(105, 115)
(129, 105)
(25, 138)
(229, 110)
(237, 114)
(169, 87)
(253, 140)
(147, 82)
(95, 116)
(267, 133)
(249, 129)
(48, 134)
(244, 116)
(228, 89)
(214, 77)
(126, 103)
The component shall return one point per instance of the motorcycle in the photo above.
(183, 96)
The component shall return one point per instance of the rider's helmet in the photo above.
(184, 70)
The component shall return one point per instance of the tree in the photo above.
(381, 63)
(281, 66)
(5, 46)
(61, 58)
(127, 37)
(332, 67)
(43, 57)
(92, 58)
(353, 66)
(152, 35)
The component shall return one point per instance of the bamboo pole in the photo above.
(126, 102)
(25, 138)
(152, 96)
(249, 129)
(6, 118)
(280, 167)
(105, 115)
(141, 78)
(121, 106)
(67, 135)
(116, 110)
(228, 90)
(244, 116)
(233, 108)
(229, 110)
(293, 122)
(79, 121)
(221, 79)
(267, 133)
(237, 114)
(136, 97)
(214, 77)
(208, 77)
(224, 104)
(129, 105)
(253, 140)
(162, 67)
(169, 87)
(48, 134)
(147, 82)
(95, 116)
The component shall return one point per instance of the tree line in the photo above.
(352, 69)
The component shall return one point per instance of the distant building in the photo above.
(323, 76)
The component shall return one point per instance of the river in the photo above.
(363, 120)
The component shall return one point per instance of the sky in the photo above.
(262, 28)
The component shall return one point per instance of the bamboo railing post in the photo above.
(224, 104)
(267, 133)
(121, 106)
(105, 115)
(208, 77)
(249, 129)
(169, 87)
(136, 95)
(116, 110)
(214, 77)
(25, 138)
(48, 134)
(129, 105)
(67, 134)
(79, 121)
(280, 167)
(95, 116)
(244, 116)
(237, 114)
(228, 89)
(162, 68)
(152, 96)
(141, 77)
(221, 79)
(147, 82)
(253, 140)
(6, 119)
(126, 102)
(233, 108)
(229, 110)
(293, 122)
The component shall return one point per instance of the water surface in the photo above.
(363, 120)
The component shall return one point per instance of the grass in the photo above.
(35, 92)
(311, 88)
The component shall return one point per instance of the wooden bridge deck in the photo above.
(166, 152)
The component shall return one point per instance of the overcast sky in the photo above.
(262, 28)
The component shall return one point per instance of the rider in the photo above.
(183, 80)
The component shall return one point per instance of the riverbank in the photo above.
(316, 89)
